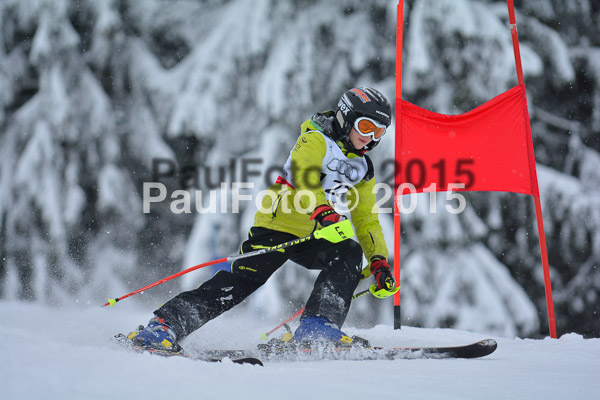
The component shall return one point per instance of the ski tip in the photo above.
(249, 361)
(476, 350)
(491, 343)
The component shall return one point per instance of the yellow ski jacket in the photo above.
(317, 170)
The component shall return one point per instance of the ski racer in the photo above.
(328, 160)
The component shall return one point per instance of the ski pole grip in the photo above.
(337, 232)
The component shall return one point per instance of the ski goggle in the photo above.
(367, 127)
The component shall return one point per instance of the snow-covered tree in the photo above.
(94, 93)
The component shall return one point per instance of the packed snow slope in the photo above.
(67, 353)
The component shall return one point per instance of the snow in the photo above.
(91, 92)
(66, 353)
(486, 40)
(499, 305)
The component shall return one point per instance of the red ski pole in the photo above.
(334, 233)
(265, 336)
(112, 302)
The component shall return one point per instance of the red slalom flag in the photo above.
(486, 149)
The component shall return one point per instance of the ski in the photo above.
(277, 350)
(236, 357)
(478, 349)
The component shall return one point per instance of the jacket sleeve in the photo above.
(307, 160)
(365, 219)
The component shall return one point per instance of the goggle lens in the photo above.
(368, 127)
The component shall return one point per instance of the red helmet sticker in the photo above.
(361, 95)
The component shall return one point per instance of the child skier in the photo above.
(328, 160)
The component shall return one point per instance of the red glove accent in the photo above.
(325, 215)
(380, 269)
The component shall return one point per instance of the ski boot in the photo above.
(316, 329)
(157, 335)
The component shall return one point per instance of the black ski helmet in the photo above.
(361, 102)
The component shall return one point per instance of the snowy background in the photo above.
(91, 92)
(75, 361)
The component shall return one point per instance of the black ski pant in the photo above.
(340, 265)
